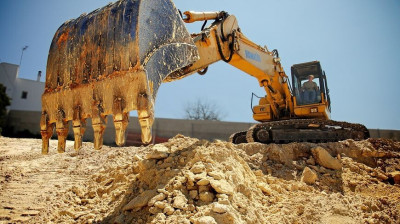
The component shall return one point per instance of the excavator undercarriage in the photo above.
(301, 130)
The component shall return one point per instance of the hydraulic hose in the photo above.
(231, 47)
(251, 102)
(203, 72)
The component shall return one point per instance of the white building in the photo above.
(25, 94)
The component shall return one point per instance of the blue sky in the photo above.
(356, 41)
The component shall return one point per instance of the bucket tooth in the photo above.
(99, 125)
(120, 122)
(46, 130)
(99, 122)
(79, 127)
(98, 130)
(62, 138)
(62, 130)
(146, 117)
(145, 124)
(46, 135)
(78, 135)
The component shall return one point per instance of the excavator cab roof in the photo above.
(303, 70)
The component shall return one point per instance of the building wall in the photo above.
(34, 90)
(16, 86)
(8, 73)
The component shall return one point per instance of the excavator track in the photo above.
(238, 137)
(301, 130)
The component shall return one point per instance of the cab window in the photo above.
(308, 91)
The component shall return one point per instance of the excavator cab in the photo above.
(310, 90)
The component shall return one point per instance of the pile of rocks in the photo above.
(187, 180)
(196, 190)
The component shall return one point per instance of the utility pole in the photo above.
(22, 53)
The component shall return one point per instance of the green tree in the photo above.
(4, 102)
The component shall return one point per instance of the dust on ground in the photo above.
(187, 180)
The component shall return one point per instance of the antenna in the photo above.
(22, 53)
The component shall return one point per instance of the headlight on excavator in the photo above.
(314, 110)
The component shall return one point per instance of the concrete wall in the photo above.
(381, 133)
(162, 127)
(166, 128)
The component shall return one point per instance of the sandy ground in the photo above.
(187, 180)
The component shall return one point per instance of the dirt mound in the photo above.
(187, 180)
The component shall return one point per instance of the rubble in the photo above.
(187, 180)
(205, 220)
(309, 176)
(323, 158)
(396, 176)
(140, 201)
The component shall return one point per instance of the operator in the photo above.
(309, 90)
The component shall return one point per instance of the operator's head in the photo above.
(310, 77)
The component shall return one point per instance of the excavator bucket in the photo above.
(110, 62)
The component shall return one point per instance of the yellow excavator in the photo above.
(113, 60)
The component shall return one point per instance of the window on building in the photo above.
(24, 95)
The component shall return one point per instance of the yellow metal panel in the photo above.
(312, 111)
(262, 112)
(262, 117)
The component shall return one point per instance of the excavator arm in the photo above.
(223, 40)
